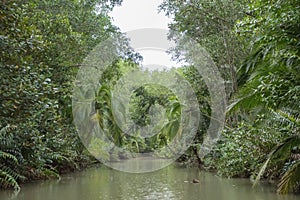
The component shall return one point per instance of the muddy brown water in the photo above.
(171, 182)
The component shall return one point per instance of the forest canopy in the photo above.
(254, 44)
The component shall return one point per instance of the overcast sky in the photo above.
(134, 14)
(137, 14)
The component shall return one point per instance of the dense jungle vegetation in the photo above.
(255, 44)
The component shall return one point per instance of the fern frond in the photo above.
(8, 179)
(6, 156)
(12, 173)
(5, 132)
(45, 172)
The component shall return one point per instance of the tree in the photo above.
(42, 46)
(269, 78)
(210, 23)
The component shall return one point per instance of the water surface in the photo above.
(169, 183)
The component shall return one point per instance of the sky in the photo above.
(138, 14)
(135, 14)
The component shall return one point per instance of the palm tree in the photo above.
(282, 154)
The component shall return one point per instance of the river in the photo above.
(172, 183)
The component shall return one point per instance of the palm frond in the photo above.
(286, 116)
(280, 153)
(263, 168)
(290, 180)
(245, 102)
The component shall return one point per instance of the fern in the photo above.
(7, 156)
(7, 180)
(48, 172)
(5, 133)
(8, 177)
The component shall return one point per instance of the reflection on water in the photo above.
(140, 164)
(168, 183)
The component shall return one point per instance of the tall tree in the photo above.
(210, 23)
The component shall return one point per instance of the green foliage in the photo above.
(290, 179)
(201, 91)
(103, 101)
(197, 83)
(145, 97)
(269, 83)
(285, 155)
(272, 68)
(280, 155)
(264, 111)
(142, 101)
(42, 45)
(242, 149)
(98, 152)
(9, 177)
(210, 23)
